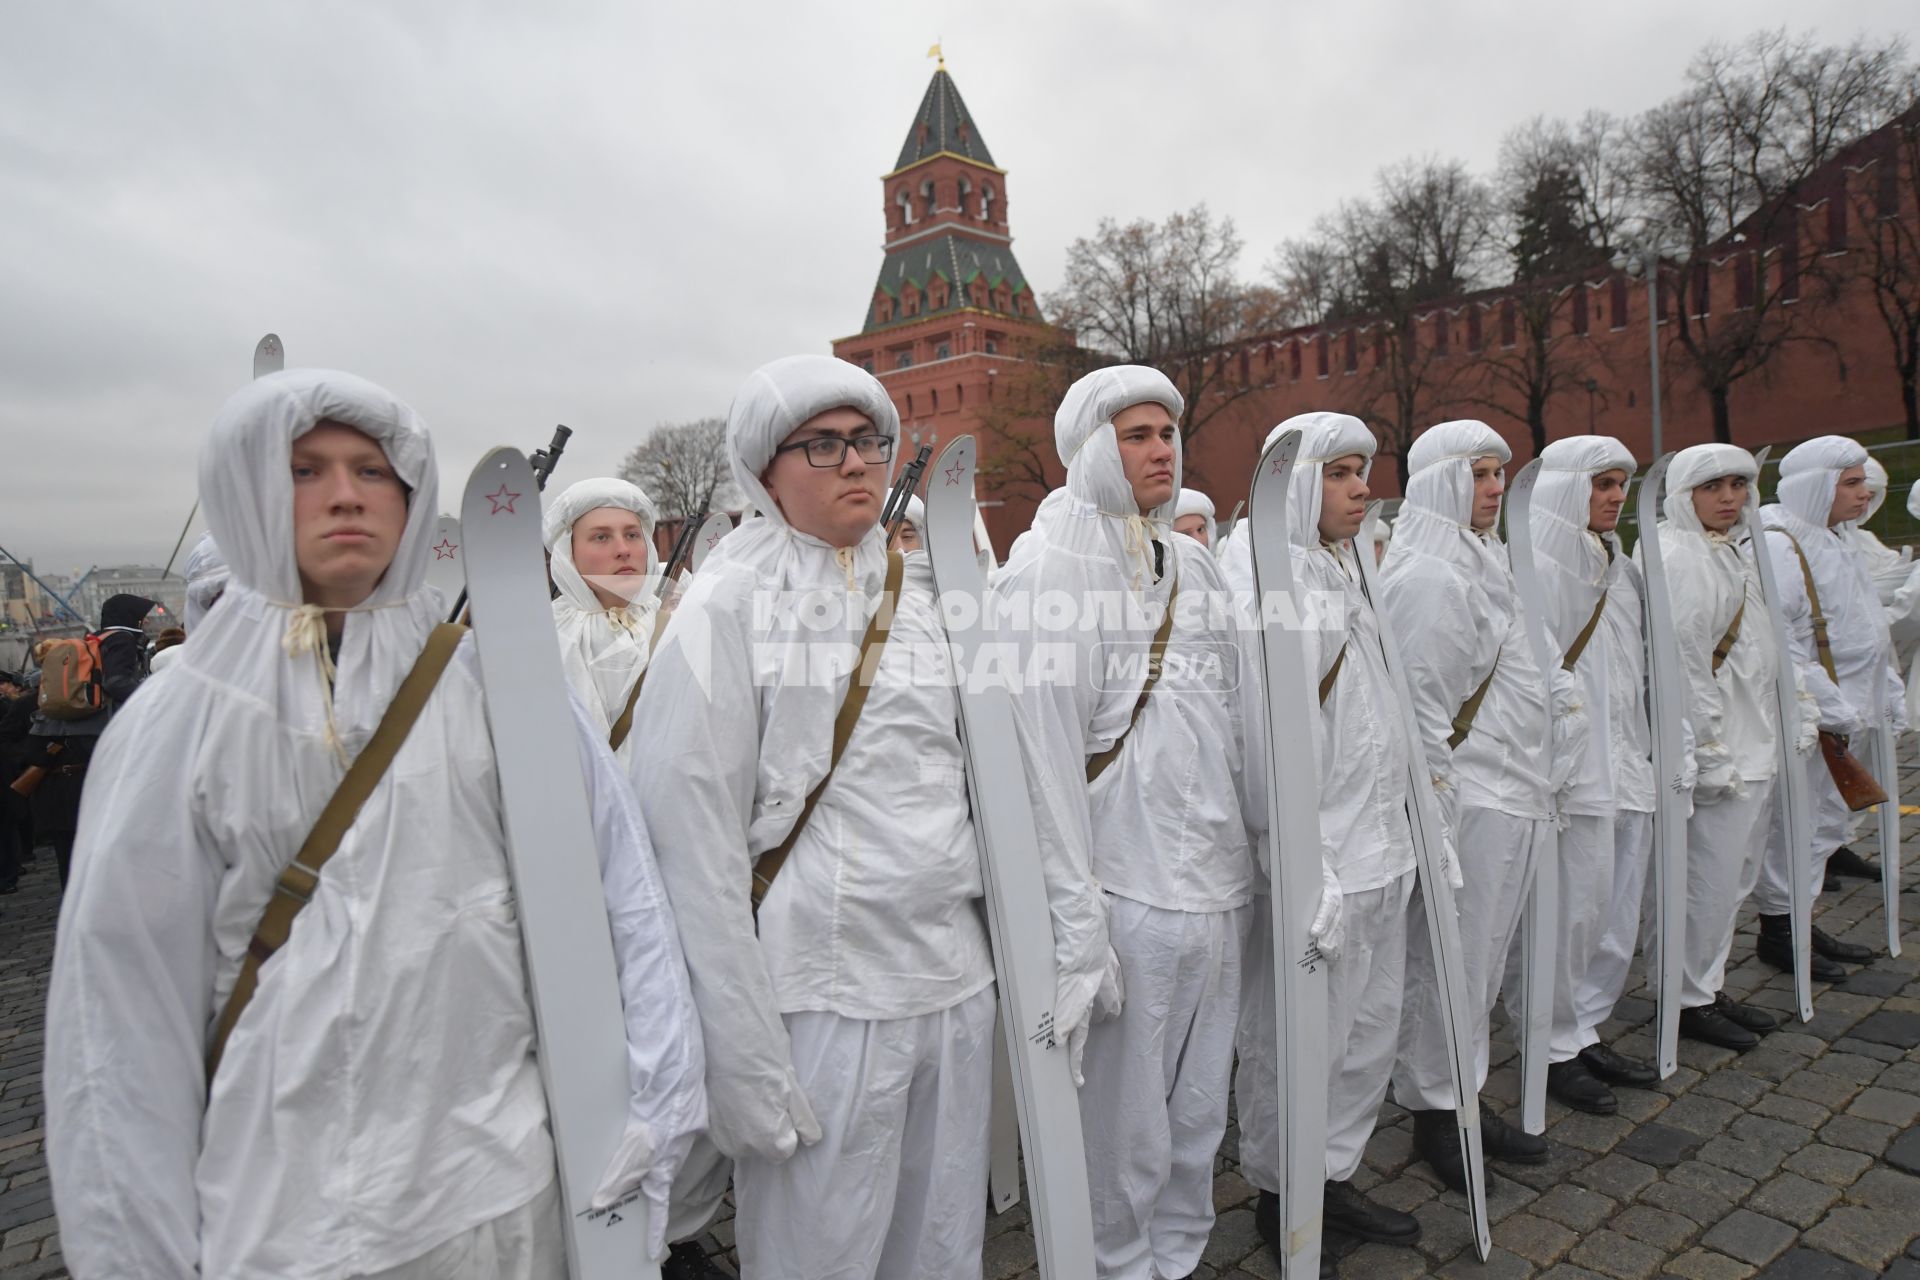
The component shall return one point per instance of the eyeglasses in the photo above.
(831, 451)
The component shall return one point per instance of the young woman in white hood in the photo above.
(599, 536)
(1726, 647)
(1823, 486)
(851, 1033)
(1483, 705)
(1368, 875)
(378, 1109)
(1193, 515)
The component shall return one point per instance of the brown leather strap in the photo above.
(1463, 720)
(769, 864)
(1727, 641)
(1333, 673)
(1586, 632)
(297, 883)
(624, 725)
(1156, 653)
(1820, 644)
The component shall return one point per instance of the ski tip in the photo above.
(1525, 478)
(268, 356)
(1275, 466)
(955, 466)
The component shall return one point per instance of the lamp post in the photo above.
(1644, 258)
(1593, 385)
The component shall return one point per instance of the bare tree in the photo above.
(683, 467)
(1169, 296)
(1886, 208)
(1727, 165)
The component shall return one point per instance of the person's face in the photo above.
(1194, 526)
(1609, 496)
(1146, 433)
(1343, 498)
(908, 538)
(1719, 500)
(8, 689)
(349, 509)
(1851, 497)
(837, 504)
(609, 543)
(1489, 482)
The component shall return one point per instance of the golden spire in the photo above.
(934, 52)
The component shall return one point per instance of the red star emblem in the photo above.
(502, 500)
(954, 473)
(445, 549)
(1278, 465)
(713, 540)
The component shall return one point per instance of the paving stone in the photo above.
(1820, 1087)
(1007, 1255)
(1811, 1264)
(1707, 1116)
(1705, 1264)
(1682, 1079)
(1667, 1231)
(1742, 1157)
(1826, 1024)
(1886, 1106)
(1613, 1254)
(1233, 1238)
(1574, 1207)
(1500, 1265)
(1775, 1135)
(1597, 1134)
(1617, 1176)
(1730, 1085)
(1856, 1134)
(1750, 1237)
(1444, 1231)
(1862, 1235)
(1769, 1063)
(1895, 1192)
(1659, 1144)
(1874, 1049)
(1904, 1076)
(1229, 1189)
(1370, 1260)
(1793, 1199)
(1561, 1162)
(1704, 1207)
(1538, 1240)
(1779, 1106)
(1905, 1151)
(1508, 1197)
(1831, 1165)
(1890, 1027)
(1848, 1066)
(1796, 1041)
(1405, 1193)
(1874, 982)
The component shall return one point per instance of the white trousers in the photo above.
(1154, 1105)
(699, 1189)
(1606, 975)
(1256, 1076)
(1724, 843)
(1586, 880)
(527, 1243)
(1772, 894)
(897, 1184)
(1493, 849)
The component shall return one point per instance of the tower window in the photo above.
(942, 352)
(904, 360)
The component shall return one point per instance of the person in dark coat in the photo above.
(16, 819)
(63, 747)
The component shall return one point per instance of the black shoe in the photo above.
(1436, 1139)
(1845, 862)
(1709, 1025)
(1351, 1213)
(1832, 884)
(1752, 1017)
(686, 1261)
(1775, 947)
(1615, 1067)
(1832, 948)
(1501, 1141)
(1266, 1223)
(1571, 1083)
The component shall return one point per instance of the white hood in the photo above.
(206, 573)
(1323, 438)
(1694, 467)
(1562, 499)
(1437, 517)
(1810, 474)
(603, 650)
(1192, 502)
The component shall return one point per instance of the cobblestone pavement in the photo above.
(1800, 1158)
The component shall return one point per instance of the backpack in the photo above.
(70, 683)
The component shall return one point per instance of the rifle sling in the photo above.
(1156, 653)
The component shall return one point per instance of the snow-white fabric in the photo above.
(917, 514)
(1364, 990)
(1585, 864)
(392, 1036)
(1772, 891)
(874, 916)
(898, 1184)
(1723, 837)
(1606, 975)
(1153, 1109)
(206, 573)
(1192, 502)
(528, 1243)
(603, 651)
(1889, 569)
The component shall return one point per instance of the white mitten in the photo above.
(1456, 876)
(1112, 995)
(1328, 920)
(1897, 714)
(1807, 736)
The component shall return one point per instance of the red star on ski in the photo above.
(713, 540)
(502, 500)
(954, 473)
(1278, 466)
(445, 549)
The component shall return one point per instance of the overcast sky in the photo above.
(605, 214)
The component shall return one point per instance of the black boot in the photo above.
(1571, 1083)
(1845, 862)
(1436, 1139)
(1615, 1067)
(1752, 1017)
(1708, 1025)
(1266, 1222)
(1501, 1141)
(1775, 947)
(1351, 1213)
(1832, 948)
(686, 1261)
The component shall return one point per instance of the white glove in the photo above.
(1897, 714)
(1848, 723)
(1112, 995)
(1077, 1005)
(1329, 918)
(1690, 771)
(743, 1119)
(1807, 738)
(1456, 877)
(1567, 751)
(1716, 783)
(636, 1167)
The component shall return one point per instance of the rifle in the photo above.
(894, 511)
(544, 461)
(683, 546)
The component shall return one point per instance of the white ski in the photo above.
(1016, 893)
(1665, 711)
(714, 528)
(1293, 857)
(1003, 1128)
(1790, 790)
(1443, 917)
(555, 864)
(1538, 926)
(446, 569)
(1887, 766)
(268, 356)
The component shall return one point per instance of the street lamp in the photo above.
(1644, 259)
(1593, 385)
